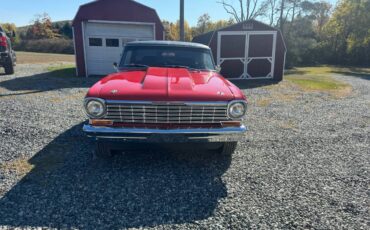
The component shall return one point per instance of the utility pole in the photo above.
(182, 25)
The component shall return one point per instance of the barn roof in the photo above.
(79, 16)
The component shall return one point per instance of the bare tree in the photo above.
(272, 6)
(247, 9)
(281, 18)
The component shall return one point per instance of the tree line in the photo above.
(42, 35)
(315, 32)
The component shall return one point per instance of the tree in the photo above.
(347, 33)
(172, 31)
(9, 27)
(42, 28)
(205, 24)
(66, 30)
(247, 9)
(272, 7)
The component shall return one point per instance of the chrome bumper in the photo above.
(167, 135)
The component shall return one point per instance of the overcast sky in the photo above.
(21, 12)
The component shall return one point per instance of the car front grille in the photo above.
(167, 113)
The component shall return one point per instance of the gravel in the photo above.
(304, 164)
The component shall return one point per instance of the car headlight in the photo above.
(95, 107)
(237, 109)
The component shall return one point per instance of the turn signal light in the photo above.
(231, 123)
(96, 122)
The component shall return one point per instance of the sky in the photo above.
(21, 12)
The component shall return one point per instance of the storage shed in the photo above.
(102, 27)
(247, 50)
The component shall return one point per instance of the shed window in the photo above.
(95, 42)
(112, 42)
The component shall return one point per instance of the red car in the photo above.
(165, 92)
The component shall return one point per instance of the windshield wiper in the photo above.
(134, 66)
(180, 66)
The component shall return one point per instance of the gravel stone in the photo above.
(304, 164)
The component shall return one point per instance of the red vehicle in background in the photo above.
(165, 92)
(7, 55)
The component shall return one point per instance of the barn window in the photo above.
(112, 42)
(95, 42)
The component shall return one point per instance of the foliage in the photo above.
(347, 33)
(10, 28)
(55, 45)
(172, 31)
(42, 28)
(204, 25)
(313, 31)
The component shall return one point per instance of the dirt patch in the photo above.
(19, 166)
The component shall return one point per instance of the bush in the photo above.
(57, 45)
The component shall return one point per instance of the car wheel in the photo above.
(228, 148)
(103, 150)
(9, 68)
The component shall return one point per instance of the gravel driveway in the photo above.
(305, 164)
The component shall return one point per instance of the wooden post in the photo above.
(182, 26)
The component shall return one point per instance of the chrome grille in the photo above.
(169, 113)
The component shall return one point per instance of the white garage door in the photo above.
(104, 43)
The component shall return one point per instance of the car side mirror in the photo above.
(115, 66)
(218, 69)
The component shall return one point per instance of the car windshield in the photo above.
(166, 56)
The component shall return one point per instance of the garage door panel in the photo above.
(104, 44)
(110, 29)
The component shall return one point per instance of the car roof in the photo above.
(168, 43)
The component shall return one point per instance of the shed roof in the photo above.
(206, 38)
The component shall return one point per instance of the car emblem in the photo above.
(220, 93)
(114, 91)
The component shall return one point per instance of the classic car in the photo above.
(165, 92)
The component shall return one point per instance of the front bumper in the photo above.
(227, 134)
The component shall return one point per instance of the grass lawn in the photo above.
(36, 58)
(320, 78)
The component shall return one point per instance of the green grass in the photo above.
(62, 70)
(314, 82)
(325, 70)
(320, 79)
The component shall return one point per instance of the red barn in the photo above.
(247, 50)
(101, 28)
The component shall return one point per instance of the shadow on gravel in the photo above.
(251, 84)
(354, 74)
(143, 188)
(54, 80)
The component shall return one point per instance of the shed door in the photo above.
(247, 54)
(104, 43)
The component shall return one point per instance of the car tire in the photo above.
(103, 150)
(9, 68)
(228, 148)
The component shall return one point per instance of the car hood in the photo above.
(165, 84)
